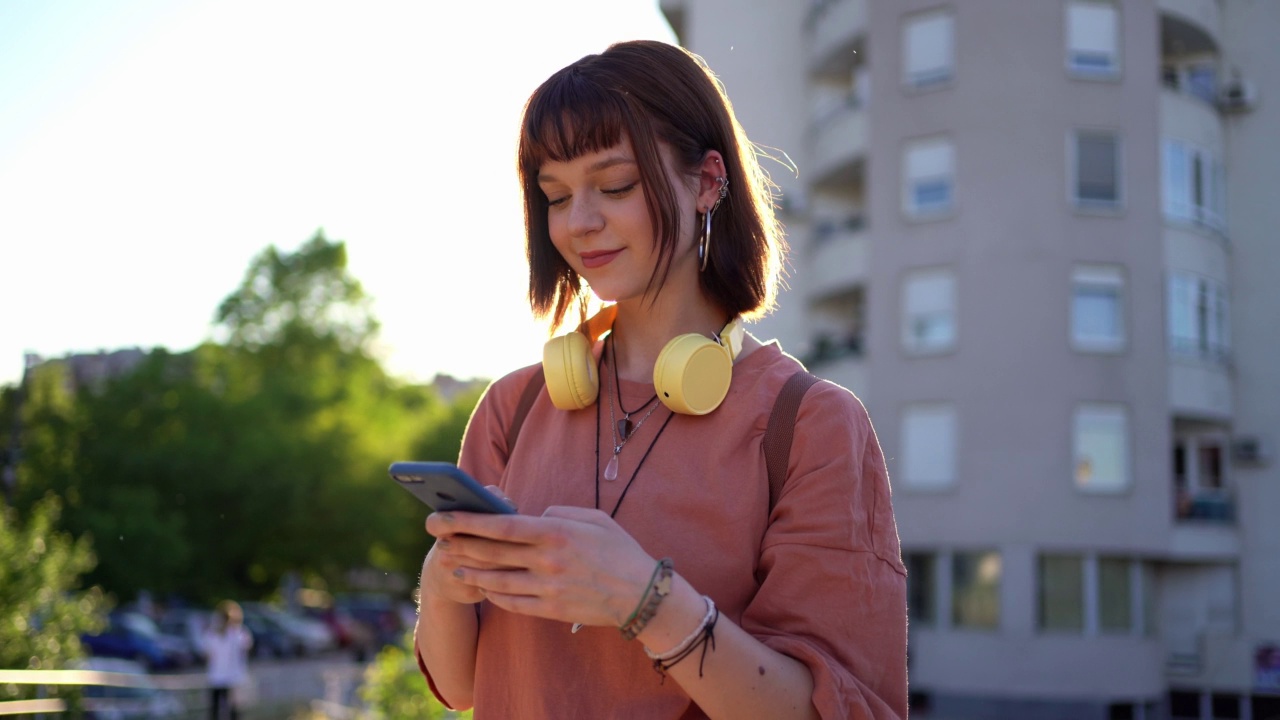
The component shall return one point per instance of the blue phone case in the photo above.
(443, 486)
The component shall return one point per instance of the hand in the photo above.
(437, 569)
(571, 564)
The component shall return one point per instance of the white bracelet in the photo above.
(693, 636)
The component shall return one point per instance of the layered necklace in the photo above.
(627, 431)
(623, 429)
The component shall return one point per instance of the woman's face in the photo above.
(599, 222)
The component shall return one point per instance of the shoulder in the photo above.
(504, 394)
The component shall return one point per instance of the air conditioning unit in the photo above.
(1237, 96)
(1249, 451)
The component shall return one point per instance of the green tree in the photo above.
(43, 610)
(394, 688)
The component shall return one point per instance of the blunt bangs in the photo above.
(569, 117)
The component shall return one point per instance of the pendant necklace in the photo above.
(622, 427)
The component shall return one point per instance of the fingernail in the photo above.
(443, 543)
(446, 516)
(458, 573)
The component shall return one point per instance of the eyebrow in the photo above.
(596, 166)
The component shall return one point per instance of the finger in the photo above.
(506, 528)
(580, 514)
(498, 491)
(505, 582)
(476, 551)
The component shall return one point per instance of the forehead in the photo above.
(620, 155)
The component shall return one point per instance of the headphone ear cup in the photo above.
(692, 374)
(570, 371)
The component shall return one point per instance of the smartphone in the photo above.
(444, 486)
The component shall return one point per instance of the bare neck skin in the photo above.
(643, 328)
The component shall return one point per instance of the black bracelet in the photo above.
(708, 639)
(659, 587)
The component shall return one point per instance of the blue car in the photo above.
(134, 636)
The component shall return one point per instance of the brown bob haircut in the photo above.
(651, 92)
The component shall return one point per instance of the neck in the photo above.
(642, 329)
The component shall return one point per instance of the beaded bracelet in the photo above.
(659, 587)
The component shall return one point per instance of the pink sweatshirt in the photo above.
(833, 594)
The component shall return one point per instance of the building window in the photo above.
(1093, 39)
(929, 312)
(928, 445)
(922, 587)
(929, 172)
(1101, 448)
(928, 49)
(1061, 593)
(1115, 595)
(975, 590)
(1097, 169)
(1199, 476)
(1198, 317)
(1194, 186)
(1097, 308)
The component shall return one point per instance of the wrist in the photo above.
(680, 613)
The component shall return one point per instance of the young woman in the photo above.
(639, 471)
(226, 647)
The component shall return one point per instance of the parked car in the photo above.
(134, 636)
(188, 624)
(269, 639)
(143, 702)
(351, 634)
(312, 637)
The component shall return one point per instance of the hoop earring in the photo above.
(704, 242)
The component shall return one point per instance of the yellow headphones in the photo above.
(692, 374)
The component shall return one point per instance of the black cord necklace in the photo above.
(635, 472)
(625, 426)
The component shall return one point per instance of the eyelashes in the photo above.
(611, 192)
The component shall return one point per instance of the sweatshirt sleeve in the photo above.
(484, 449)
(833, 591)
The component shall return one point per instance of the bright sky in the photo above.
(150, 148)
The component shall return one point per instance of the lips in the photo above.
(598, 258)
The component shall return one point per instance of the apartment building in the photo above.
(1038, 239)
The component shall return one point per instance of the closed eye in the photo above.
(619, 192)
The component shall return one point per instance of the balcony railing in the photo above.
(827, 348)
(1209, 506)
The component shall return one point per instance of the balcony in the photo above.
(1199, 385)
(840, 360)
(1213, 507)
(838, 257)
(1187, 114)
(1189, 26)
(839, 141)
(835, 30)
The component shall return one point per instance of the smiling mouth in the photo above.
(598, 258)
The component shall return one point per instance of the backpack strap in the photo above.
(531, 392)
(781, 429)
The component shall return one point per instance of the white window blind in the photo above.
(1097, 315)
(929, 311)
(1101, 447)
(929, 168)
(929, 445)
(1092, 38)
(928, 49)
(1194, 185)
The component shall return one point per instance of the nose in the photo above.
(584, 215)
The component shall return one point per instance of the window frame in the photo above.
(913, 210)
(947, 409)
(1085, 276)
(1113, 71)
(1116, 410)
(929, 78)
(954, 609)
(1092, 206)
(909, 342)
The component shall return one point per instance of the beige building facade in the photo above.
(1038, 239)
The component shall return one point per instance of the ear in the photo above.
(712, 168)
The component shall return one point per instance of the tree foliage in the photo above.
(394, 688)
(43, 609)
(214, 472)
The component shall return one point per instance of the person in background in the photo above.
(650, 572)
(226, 644)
